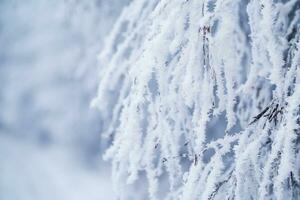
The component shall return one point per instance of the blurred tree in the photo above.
(48, 69)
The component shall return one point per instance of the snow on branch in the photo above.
(202, 99)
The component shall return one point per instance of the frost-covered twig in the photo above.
(185, 78)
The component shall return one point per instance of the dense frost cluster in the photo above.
(201, 99)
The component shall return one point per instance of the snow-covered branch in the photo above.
(202, 97)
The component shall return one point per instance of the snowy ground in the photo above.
(30, 172)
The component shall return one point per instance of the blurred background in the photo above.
(50, 142)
